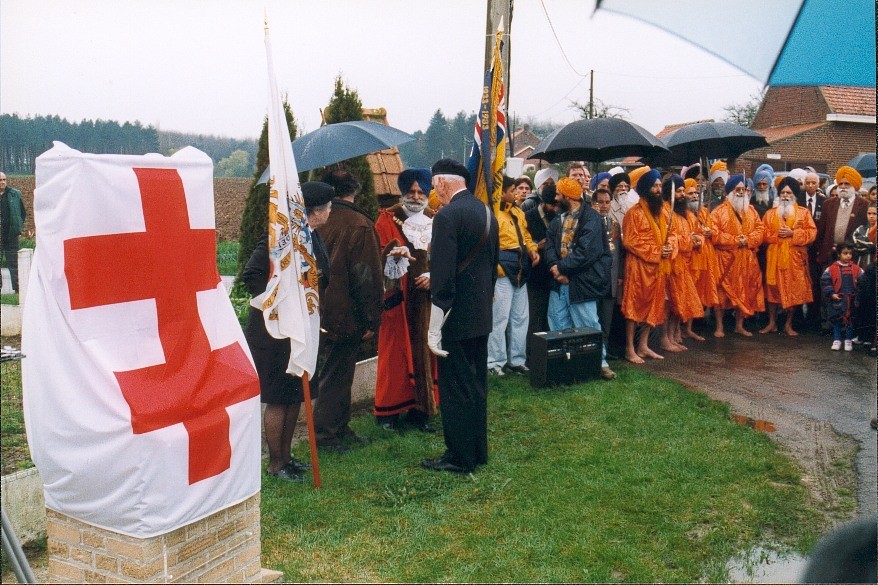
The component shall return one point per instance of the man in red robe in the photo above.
(739, 233)
(647, 266)
(789, 229)
(406, 379)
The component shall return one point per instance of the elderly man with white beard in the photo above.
(841, 215)
(739, 233)
(789, 229)
(619, 185)
(763, 192)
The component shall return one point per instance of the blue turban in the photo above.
(597, 179)
(646, 181)
(764, 172)
(409, 176)
(675, 180)
(733, 182)
(793, 184)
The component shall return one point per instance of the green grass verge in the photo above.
(227, 258)
(10, 299)
(638, 479)
(15, 453)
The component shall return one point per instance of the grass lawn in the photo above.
(638, 479)
(15, 453)
(227, 258)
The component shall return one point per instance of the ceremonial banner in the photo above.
(141, 401)
(488, 156)
(290, 304)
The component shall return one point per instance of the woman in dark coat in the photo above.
(281, 392)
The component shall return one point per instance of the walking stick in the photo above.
(312, 436)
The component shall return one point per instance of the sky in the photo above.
(199, 65)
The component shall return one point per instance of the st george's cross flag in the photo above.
(290, 304)
(141, 401)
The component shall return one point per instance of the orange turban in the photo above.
(433, 201)
(719, 165)
(851, 174)
(636, 174)
(690, 183)
(569, 188)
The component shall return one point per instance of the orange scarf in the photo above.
(777, 257)
(660, 230)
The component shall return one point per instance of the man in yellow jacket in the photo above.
(518, 253)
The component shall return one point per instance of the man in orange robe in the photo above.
(703, 265)
(406, 379)
(648, 265)
(739, 233)
(684, 303)
(789, 229)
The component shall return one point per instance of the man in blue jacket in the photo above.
(463, 258)
(579, 260)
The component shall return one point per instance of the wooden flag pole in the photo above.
(312, 437)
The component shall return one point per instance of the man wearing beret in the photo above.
(789, 229)
(739, 233)
(464, 254)
(406, 379)
(351, 310)
(12, 215)
(579, 258)
(281, 392)
(841, 215)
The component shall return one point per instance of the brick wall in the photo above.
(790, 106)
(229, 198)
(825, 148)
(222, 548)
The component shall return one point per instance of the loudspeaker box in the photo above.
(565, 357)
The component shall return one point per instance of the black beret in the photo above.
(317, 193)
(449, 166)
(618, 178)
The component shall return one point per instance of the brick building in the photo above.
(523, 142)
(818, 126)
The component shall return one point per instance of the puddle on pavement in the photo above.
(767, 566)
(760, 425)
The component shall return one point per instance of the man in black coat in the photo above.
(463, 260)
(538, 220)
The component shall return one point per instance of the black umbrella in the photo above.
(864, 163)
(337, 142)
(597, 140)
(710, 140)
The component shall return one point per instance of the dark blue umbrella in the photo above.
(864, 163)
(337, 142)
(779, 42)
(708, 139)
(597, 140)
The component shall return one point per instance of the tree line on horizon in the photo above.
(25, 138)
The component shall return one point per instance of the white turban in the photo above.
(544, 175)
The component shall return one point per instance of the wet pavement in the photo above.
(796, 390)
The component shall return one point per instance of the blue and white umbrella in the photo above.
(779, 42)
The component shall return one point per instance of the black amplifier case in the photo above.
(565, 357)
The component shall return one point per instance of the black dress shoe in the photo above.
(521, 370)
(299, 466)
(443, 464)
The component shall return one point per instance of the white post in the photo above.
(25, 257)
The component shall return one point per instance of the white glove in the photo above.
(434, 335)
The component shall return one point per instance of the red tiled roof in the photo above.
(670, 128)
(849, 100)
(780, 132)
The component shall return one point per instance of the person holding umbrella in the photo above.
(789, 229)
(739, 233)
(651, 249)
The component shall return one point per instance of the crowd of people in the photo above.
(454, 289)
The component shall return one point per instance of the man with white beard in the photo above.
(840, 215)
(739, 233)
(763, 192)
(406, 370)
(618, 186)
(789, 229)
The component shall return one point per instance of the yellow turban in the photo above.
(690, 183)
(433, 201)
(569, 188)
(636, 174)
(851, 174)
(719, 165)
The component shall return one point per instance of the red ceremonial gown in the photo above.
(740, 284)
(407, 372)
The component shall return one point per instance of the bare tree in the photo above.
(743, 114)
(601, 110)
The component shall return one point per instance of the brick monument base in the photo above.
(225, 547)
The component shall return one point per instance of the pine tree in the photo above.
(254, 221)
(345, 106)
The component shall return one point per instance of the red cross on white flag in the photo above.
(141, 399)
